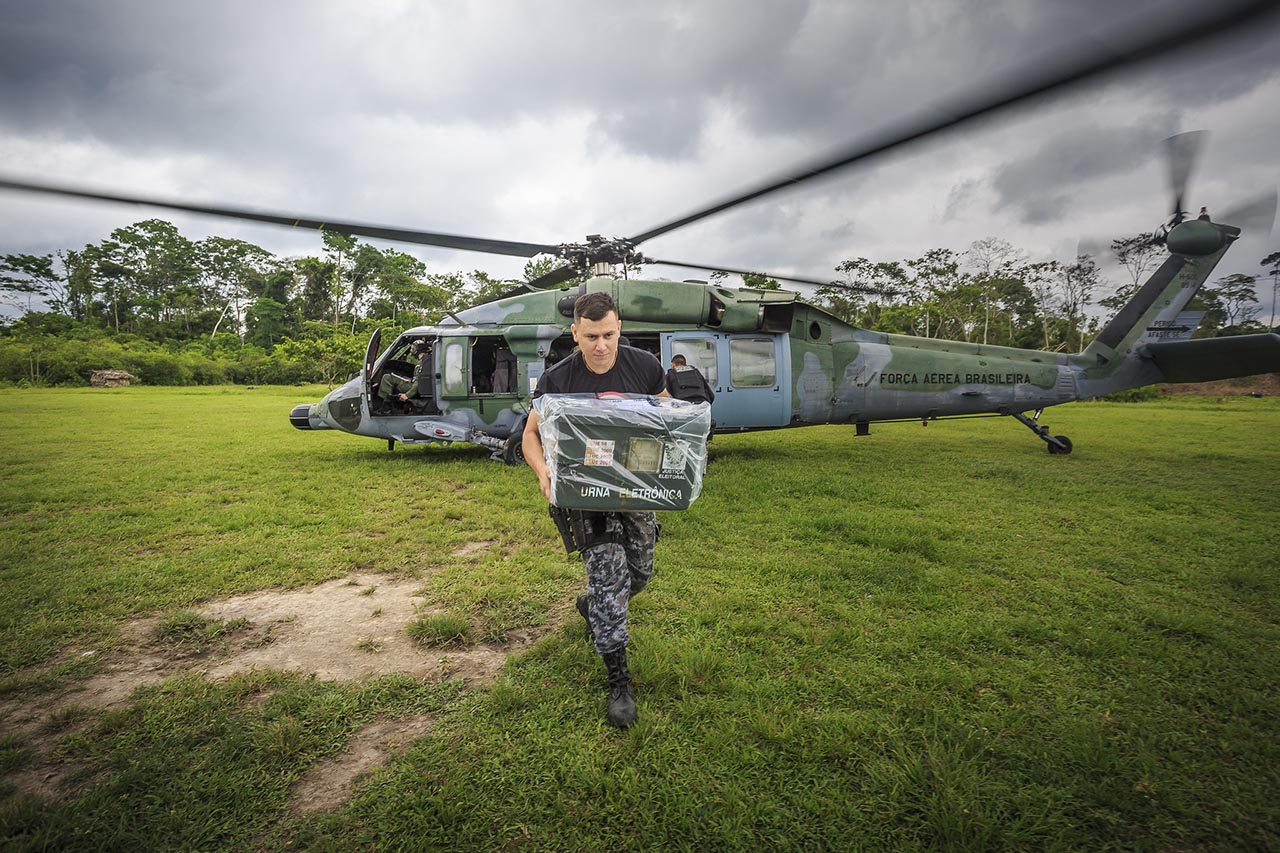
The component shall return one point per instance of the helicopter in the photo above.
(774, 360)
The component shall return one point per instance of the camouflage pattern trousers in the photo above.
(616, 572)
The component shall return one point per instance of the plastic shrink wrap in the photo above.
(626, 452)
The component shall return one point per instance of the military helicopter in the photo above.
(774, 360)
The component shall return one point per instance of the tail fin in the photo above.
(1168, 285)
(1117, 358)
(1155, 311)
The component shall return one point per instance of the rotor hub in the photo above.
(600, 250)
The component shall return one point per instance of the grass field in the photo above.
(926, 638)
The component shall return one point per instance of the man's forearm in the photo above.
(532, 445)
(533, 454)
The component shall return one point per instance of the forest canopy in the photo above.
(174, 311)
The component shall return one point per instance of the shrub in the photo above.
(157, 367)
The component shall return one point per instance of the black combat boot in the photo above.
(585, 610)
(622, 703)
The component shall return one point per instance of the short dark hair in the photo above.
(678, 359)
(593, 306)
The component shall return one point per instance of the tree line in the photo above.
(992, 293)
(177, 311)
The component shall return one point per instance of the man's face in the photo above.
(598, 340)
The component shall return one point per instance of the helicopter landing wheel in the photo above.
(513, 451)
(1062, 448)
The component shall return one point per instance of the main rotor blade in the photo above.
(1093, 247)
(351, 229)
(798, 279)
(1182, 150)
(556, 276)
(713, 268)
(542, 282)
(1158, 35)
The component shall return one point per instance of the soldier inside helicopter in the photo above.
(404, 386)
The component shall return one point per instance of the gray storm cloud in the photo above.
(547, 121)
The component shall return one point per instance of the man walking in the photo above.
(619, 550)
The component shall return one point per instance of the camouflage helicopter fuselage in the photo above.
(775, 361)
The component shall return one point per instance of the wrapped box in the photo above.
(623, 451)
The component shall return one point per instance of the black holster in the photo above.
(582, 529)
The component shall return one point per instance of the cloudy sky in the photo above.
(548, 121)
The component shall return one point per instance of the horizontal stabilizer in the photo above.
(1216, 358)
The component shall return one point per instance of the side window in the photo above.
(751, 363)
(699, 353)
(455, 382)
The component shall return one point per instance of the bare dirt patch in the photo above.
(343, 630)
(351, 629)
(43, 778)
(332, 783)
(470, 549)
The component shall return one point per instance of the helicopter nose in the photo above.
(299, 416)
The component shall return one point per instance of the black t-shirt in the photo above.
(634, 372)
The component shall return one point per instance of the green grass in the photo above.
(190, 633)
(927, 638)
(15, 752)
(442, 629)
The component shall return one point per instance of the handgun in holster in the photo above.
(580, 529)
(565, 526)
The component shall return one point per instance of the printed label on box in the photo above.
(643, 454)
(673, 456)
(599, 452)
